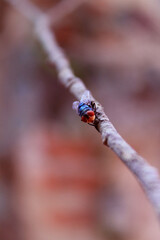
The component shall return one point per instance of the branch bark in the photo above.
(145, 173)
(63, 9)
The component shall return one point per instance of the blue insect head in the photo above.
(83, 109)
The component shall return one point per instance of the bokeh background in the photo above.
(57, 180)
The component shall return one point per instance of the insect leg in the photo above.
(91, 124)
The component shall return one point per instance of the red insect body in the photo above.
(89, 118)
(90, 113)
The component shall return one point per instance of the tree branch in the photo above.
(145, 174)
(63, 9)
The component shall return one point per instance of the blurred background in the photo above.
(57, 180)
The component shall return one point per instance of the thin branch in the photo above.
(63, 9)
(27, 9)
(145, 174)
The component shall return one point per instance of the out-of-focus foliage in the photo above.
(57, 180)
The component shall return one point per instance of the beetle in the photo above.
(85, 108)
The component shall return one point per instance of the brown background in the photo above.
(57, 180)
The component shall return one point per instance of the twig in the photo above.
(26, 8)
(63, 9)
(145, 174)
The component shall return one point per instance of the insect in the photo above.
(85, 108)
